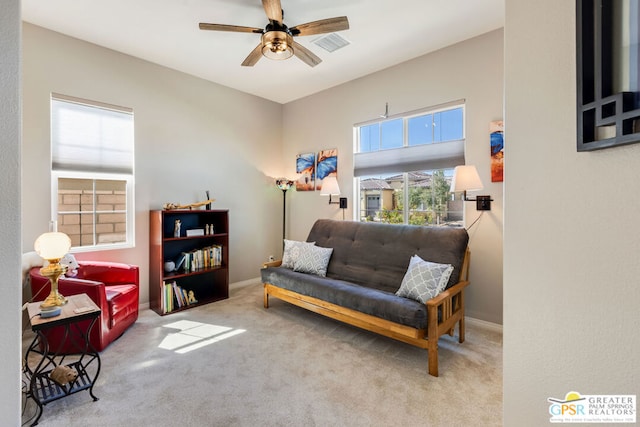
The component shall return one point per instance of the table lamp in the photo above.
(52, 246)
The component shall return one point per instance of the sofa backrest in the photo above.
(377, 255)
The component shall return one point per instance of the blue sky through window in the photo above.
(425, 129)
(391, 134)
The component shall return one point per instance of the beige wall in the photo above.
(471, 70)
(571, 265)
(10, 191)
(191, 136)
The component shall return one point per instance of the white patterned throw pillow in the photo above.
(292, 251)
(424, 280)
(313, 259)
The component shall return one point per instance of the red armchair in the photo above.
(114, 287)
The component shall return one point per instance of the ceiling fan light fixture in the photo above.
(277, 45)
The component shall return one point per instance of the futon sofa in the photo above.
(368, 264)
(114, 287)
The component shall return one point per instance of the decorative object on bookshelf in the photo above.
(195, 232)
(201, 274)
(169, 266)
(284, 184)
(178, 206)
(176, 228)
(191, 298)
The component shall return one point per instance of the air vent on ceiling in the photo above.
(331, 42)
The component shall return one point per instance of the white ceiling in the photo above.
(382, 33)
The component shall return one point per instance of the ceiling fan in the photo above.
(277, 39)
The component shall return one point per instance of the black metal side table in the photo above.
(73, 324)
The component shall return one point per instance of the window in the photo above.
(436, 127)
(404, 165)
(381, 136)
(92, 172)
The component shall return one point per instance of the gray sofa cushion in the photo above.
(377, 255)
(370, 301)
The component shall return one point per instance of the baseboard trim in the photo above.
(243, 283)
(484, 324)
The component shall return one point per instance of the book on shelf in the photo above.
(166, 298)
(163, 299)
(208, 257)
(174, 296)
(180, 261)
(177, 294)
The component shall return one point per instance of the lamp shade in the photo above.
(284, 183)
(52, 245)
(465, 178)
(330, 187)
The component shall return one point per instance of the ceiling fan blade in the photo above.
(273, 9)
(253, 57)
(305, 55)
(232, 28)
(322, 26)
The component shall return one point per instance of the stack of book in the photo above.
(208, 257)
(174, 297)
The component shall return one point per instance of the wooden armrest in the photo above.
(272, 264)
(448, 293)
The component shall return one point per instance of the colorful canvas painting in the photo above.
(496, 129)
(327, 165)
(306, 170)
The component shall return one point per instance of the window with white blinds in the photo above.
(92, 170)
(90, 136)
(403, 166)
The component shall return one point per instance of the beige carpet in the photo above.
(234, 363)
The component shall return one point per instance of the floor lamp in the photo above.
(284, 184)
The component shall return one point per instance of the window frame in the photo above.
(129, 178)
(458, 104)
(129, 211)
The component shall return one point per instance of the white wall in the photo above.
(10, 212)
(571, 239)
(471, 70)
(190, 136)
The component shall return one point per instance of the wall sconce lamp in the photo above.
(466, 178)
(52, 246)
(330, 188)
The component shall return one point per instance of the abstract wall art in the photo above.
(496, 130)
(327, 165)
(306, 170)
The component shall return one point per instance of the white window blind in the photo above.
(91, 137)
(441, 155)
(423, 148)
